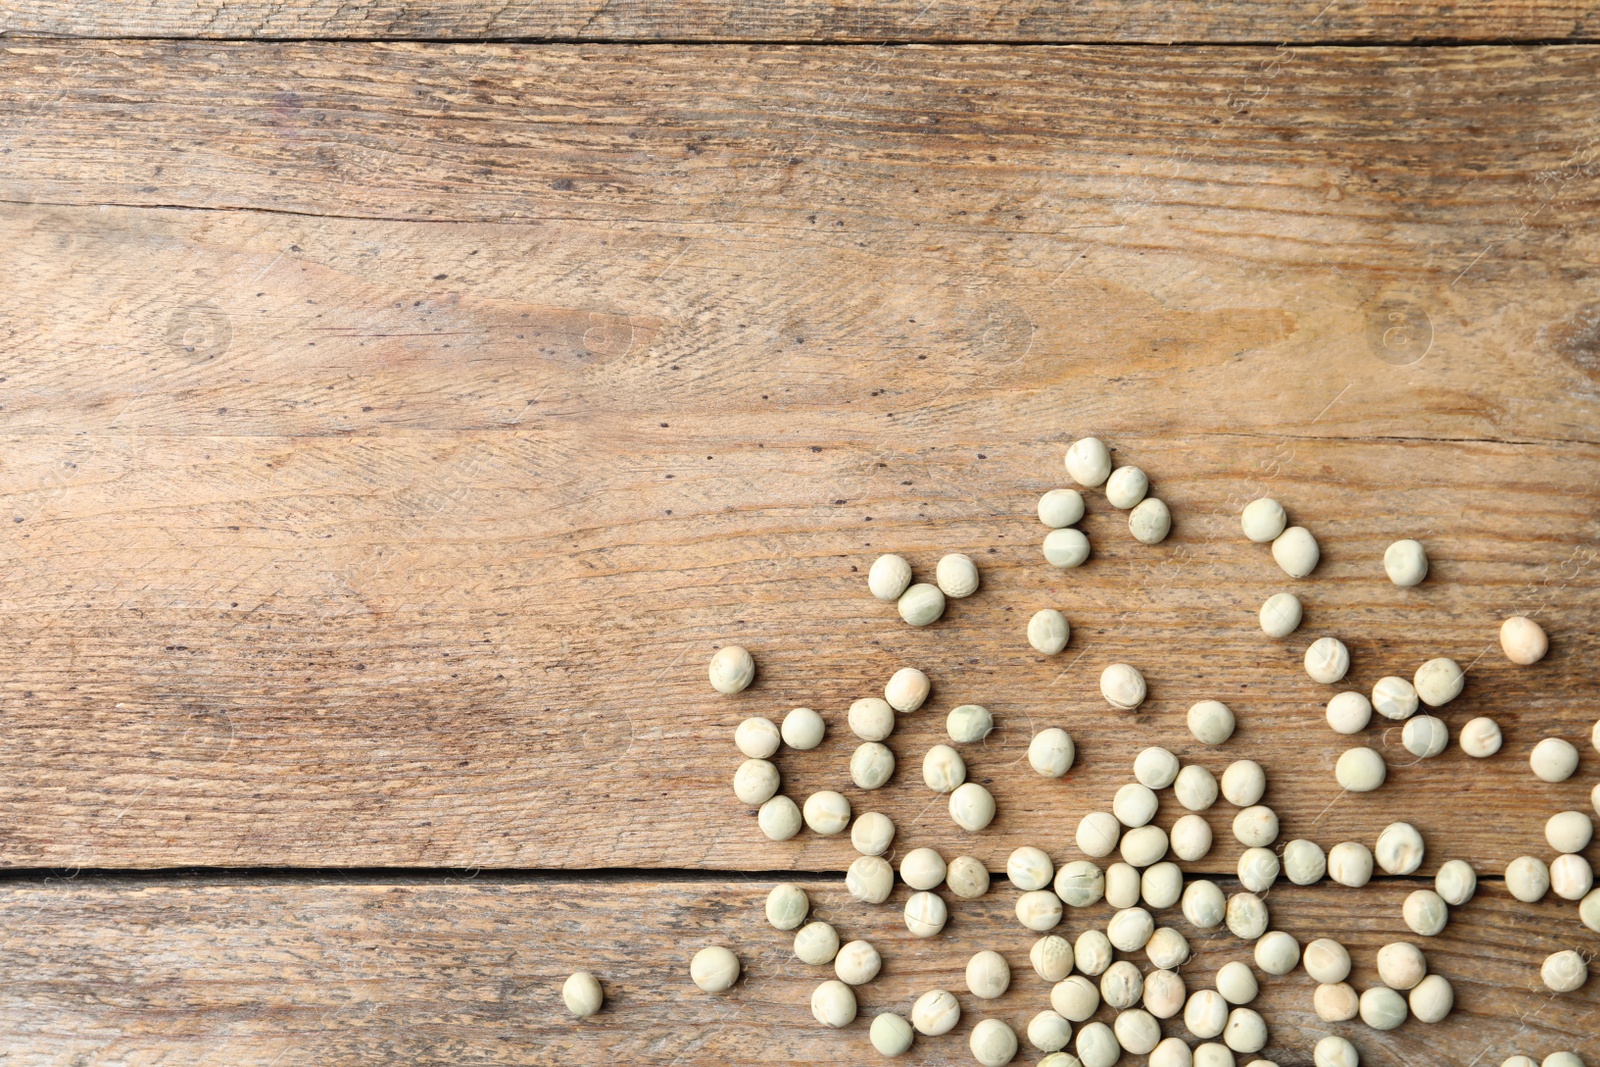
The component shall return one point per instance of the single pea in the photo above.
(1048, 631)
(1523, 640)
(1122, 686)
(869, 879)
(1554, 760)
(787, 905)
(1564, 971)
(1263, 520)
(857, 963)
(921, 605)
(1143, 845)
(757, 737)
(1195, 788)
(1439, 681)
(1122, 885)
(888, 577)
(967, 878)
(1562, 1059)
(1335, 1003)
(1327, 660)
(1480, 737)
(890, 1034)
(1296, 551)
(922, 868)
(906, 689)
(871, 765)
(1211, 722)
(1164, 996)
(1246, 1031)
(1405, 562)
(1066, 548)
(1382, 1009)
(1247, 916)
(779, 818)
(1051, 752)
(1350, 864)
(988, 974)
(1401, 965)
(1571, 877)
(1167, 949)
(956, 575)
(1244, 782)
(1051, 957)
(1080, 883)
(732, 669)
(1039, 910)
(1092, 951)
(1237, 983)
(871, 718)
(971, 807)
(1256, 826)
(1049, 1031)
(1136, 1031)
(935, 1012)
(1171, 1052)
(1425, 912)
(1349, 712)
(1204, 905)
(1327, 961)
(1456, 882)
(1335, 1051)
(1129, 930)
(1029, 868)
(1151, 521)
(1075, 998)
(1134, 805)
(582, 994)
(803, 729)
(1304, 862)
(834, 1004)
(1425, 736)
(1394, 698)
(1206, 1014)
(1360, 770)
(1097, 1046)
(1126, 487)
(1213, 1054)
(1258, 869)
(714, 969)
(1432, 999)
(1161, 885)
(1527, 879)
(826, 812)
(816, 943)
(1281, 615)
(1399, 849)
(926, 914)
(755, 782)
(1121, 985)
(872, 833)
(1569, 831)
(1191, 838)
(1155, 768)
(1088, 461)
(968, 724)
(943, 769)
(1061, 507)
(992, 1043)
(1098, 834)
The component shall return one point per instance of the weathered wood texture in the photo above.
(289, 975)
(815, 20)
(388, 541)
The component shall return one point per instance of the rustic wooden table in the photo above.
(399, 407)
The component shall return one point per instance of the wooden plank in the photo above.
(388, 541)
(292, 974)
(813, 20)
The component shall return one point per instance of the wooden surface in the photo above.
(471, 971)
(391, 431)
(1260, 21)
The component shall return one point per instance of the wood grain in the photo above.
(294, 974)
(398, 541)
(813, 20)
